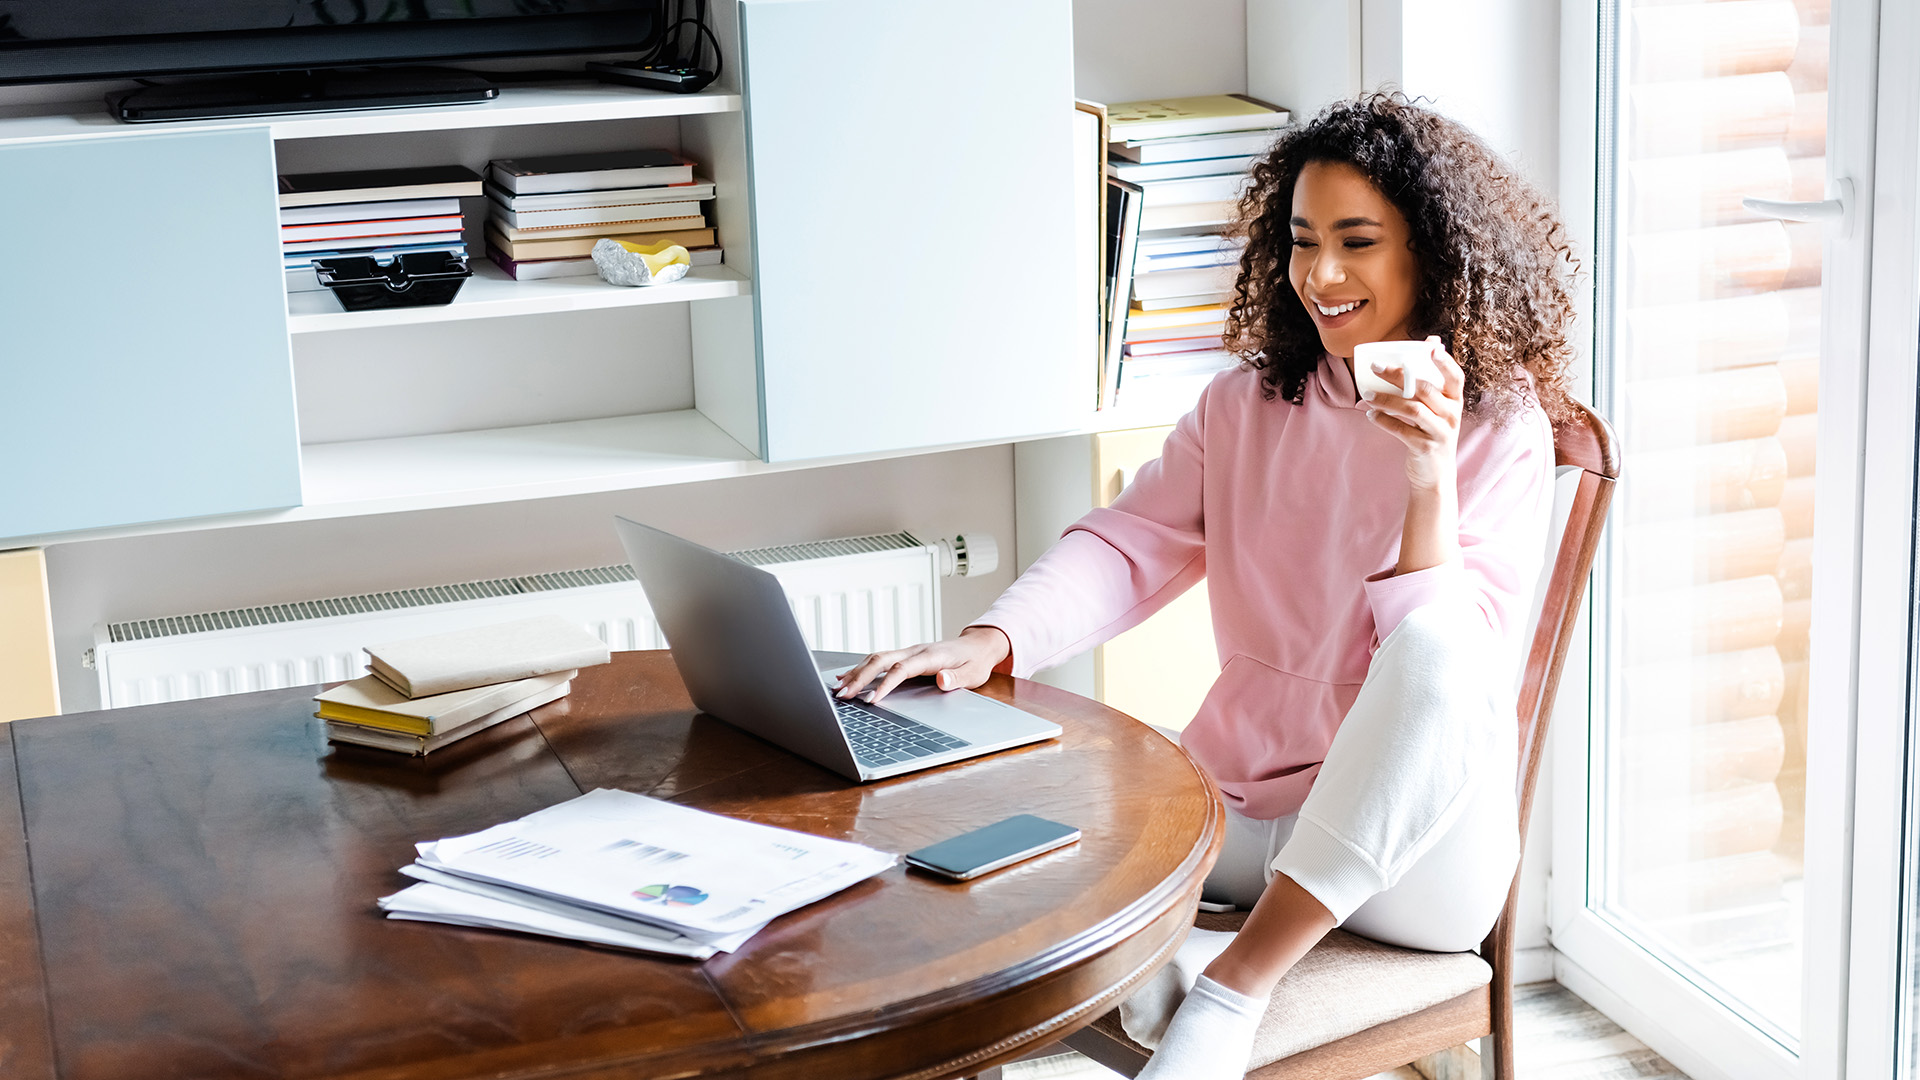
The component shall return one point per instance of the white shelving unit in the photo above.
(497, 330)
(491, 294)
(853, 274)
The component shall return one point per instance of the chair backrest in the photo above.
(1586, 442)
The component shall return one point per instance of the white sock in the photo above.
(1211, 1036)
(1145, 1014)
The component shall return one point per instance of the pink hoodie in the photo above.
(1294, 514)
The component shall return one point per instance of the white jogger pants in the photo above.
(1410, 834)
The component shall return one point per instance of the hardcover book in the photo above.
(577, 247)
(597, 230)
(361, 245)
(591, 172)
(579, 200)
(1194, 148)
(368, 211)
(483, 655)
(378, 185)
(1211, 114)
(408, 743)
(595, 215)
(370, 702)
(343, 230)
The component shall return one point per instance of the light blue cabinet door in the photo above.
(145, 370)
(912, 179)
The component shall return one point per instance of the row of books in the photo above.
(424, 693)
(380, 213)
(545, 214)
(1175, 173)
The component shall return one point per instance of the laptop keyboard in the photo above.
(881, 738)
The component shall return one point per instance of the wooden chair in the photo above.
(1352, 1007)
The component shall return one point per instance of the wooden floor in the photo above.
(1556, 1035)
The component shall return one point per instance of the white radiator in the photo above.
(856, 595)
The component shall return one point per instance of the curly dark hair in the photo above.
(1494, 260)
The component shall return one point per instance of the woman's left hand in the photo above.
(1428, 422)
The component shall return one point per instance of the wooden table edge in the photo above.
(1135, 918)
(26, 1035)
(1176, 898)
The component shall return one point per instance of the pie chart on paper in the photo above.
(670, 895)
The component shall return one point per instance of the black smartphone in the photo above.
(983, 851)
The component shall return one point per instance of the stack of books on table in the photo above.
(424, 693)
(546, 213)
(380, 213)
(1176, 170)
(623, 870)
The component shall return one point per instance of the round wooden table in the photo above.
(202, 881)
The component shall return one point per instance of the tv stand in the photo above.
(299, 92)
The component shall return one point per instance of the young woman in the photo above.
(1373, 560)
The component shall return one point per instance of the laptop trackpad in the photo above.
(965, 714)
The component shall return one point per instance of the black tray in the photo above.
(416, 279)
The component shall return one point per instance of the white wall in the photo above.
(1491, 64)
(1303, 54)
(929, 495)
(1127, 50)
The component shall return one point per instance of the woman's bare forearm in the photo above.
(1431, 535)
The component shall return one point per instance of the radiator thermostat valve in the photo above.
(968, 554)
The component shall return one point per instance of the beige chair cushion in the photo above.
(1347, 984)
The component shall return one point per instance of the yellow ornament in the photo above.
(621, 262)
(659, 255)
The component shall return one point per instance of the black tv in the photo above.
(304, 53)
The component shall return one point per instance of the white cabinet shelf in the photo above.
(490, 293)
(539, 461)
(516, 106)
(505, 464)
(496, 465)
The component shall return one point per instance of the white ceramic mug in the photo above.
(1412, 359)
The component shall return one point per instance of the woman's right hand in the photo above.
(957, 663)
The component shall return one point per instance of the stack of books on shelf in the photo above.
(380, 213)
(617, 869)
(424, 693)
(1175, 172)
(546, 213)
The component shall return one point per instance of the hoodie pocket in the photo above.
(1262, 733)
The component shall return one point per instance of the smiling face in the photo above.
(1352, 265)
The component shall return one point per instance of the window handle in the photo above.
(1834, 209)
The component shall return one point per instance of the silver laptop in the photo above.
(742, 657)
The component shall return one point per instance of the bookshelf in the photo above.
(842, 248)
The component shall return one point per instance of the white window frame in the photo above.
(1875, 1034)
(1852, 1028)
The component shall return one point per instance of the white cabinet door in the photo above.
(912, 176)
(145, 370)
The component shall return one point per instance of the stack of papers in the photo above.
(619, 869)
